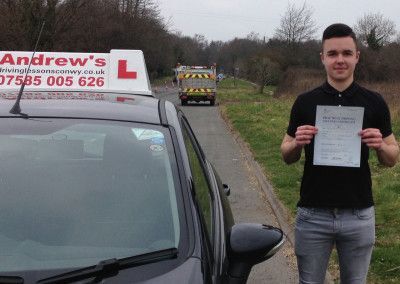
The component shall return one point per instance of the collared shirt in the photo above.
(330, 186)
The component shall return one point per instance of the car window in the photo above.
(200, 180)
(74, 192)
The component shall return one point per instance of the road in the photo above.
(248, 199)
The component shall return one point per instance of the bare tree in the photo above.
(297, 25)
(397, 40)
(263, 70)
(374, 30)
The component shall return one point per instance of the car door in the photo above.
(207, 195)
(223, 223)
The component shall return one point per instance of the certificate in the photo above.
(337, 142)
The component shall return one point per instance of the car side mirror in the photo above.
(248, 245)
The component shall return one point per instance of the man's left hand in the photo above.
(372, 137)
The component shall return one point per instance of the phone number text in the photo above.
(51, 81)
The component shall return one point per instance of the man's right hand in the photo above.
(304, 135)
(291, 147)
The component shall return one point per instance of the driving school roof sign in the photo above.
(119, 71)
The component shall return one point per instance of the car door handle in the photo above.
(227, 189)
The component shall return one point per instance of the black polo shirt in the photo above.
(331, 186)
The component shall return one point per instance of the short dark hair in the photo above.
(338, 30)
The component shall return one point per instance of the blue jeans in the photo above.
(318, 230)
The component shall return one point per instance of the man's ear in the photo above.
(321, 55)
(358, 55)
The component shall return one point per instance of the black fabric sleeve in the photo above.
(295, 118)
(384, 121)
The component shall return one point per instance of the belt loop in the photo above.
(335, 212)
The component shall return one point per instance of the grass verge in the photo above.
(261, 120)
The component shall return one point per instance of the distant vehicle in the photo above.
(108, 184)
(220, 77)
(196, 83)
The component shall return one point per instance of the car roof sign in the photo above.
(122, 71)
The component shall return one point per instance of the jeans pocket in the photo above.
(304, 213)
(365, 213)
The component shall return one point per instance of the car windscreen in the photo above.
(76, 191)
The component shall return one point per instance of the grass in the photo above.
(261, 120)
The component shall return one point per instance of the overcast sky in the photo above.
(226, 19)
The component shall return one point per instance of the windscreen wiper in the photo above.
(111, 267)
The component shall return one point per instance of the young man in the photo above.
(336, 204)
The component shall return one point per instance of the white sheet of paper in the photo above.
(337, 142)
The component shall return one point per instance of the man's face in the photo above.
(339, 56)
